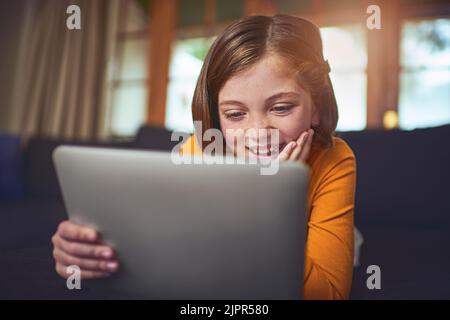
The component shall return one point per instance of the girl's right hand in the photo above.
(78, 245)
(298, 150)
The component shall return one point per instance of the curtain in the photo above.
(61, 77)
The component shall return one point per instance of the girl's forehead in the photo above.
(268, 75)
(271, 64)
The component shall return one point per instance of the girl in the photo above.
(266, 73)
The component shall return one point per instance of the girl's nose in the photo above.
(260, 131)
(261, 123)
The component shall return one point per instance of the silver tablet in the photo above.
(190, 231)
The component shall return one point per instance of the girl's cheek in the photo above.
(233, 136)
(235, 139)
(233, 124)
(292, 127)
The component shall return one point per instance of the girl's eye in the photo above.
(281, 109)
(237, 115)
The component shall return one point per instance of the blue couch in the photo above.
(32, 210)
(402, 210)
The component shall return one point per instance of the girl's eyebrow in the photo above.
(232, 102)
(271, 99)
(279, 95)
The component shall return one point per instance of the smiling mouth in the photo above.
(266, 151)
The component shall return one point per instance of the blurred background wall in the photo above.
(10, 25)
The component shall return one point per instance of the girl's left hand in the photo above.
(298, 150)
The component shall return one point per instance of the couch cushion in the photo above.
(414, 262)
(403, 177)
(40, 174)
(11, 178)
(154, 138)
(28, 222)
(30, 274)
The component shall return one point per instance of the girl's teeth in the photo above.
(262, 153)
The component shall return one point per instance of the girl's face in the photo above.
(265, 96)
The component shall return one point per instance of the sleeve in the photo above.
(190, 147)
(329, 245)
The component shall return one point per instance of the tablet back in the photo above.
(190, 231)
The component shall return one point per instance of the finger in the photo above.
(88, 264)
(85, 274)
(73, 231)
(80, 249)
(286, 152)
(307, 148)
(300, 143)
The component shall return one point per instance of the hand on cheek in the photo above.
(298, 150)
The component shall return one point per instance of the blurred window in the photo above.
(424, 97)
(424, 78)
(186, 63)
(345, 48)
(128, 100)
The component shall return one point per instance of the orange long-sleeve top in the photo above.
(329, 244)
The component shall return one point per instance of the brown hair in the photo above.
(245, 42)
